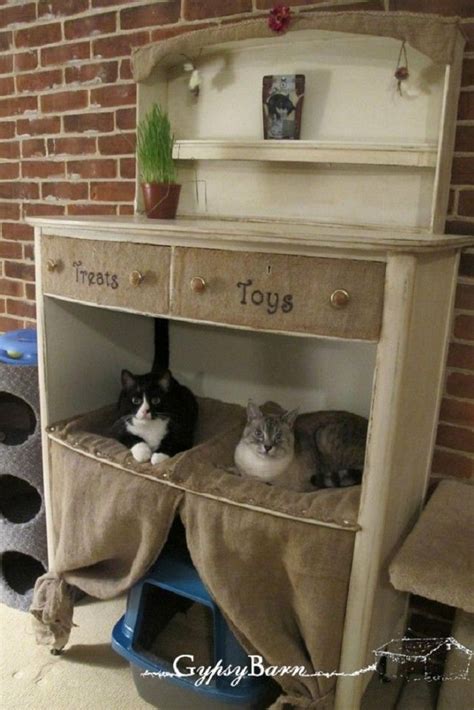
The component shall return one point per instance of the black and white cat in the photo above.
(157, 416)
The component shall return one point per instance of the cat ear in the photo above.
(128, 379)
(165, 380)
(290, 417)
(253, 411)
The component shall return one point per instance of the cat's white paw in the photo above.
(159, 458)
(141, 452)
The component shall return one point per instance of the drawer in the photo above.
(333, 297)
(107, 273)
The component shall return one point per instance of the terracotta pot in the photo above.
(160, 199)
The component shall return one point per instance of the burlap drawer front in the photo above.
(279, 292)
(105, 272)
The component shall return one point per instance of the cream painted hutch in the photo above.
(348, 221)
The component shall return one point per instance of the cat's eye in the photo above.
(155, 400)
(258, 434)
(136, 400)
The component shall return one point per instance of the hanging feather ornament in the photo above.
(401, 72)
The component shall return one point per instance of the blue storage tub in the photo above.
(19, 347)
(171, 585)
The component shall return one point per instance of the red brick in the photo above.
(100, 73)
(12, 288)
(7, 129)
(19, 190)
(122, 144)
(30, 290)
(88, 26)
(126, 210)
(9, 150)
(126, 119)
(42, 169)
(18, 230)
(18, 270)
(96, 209)
(128, 168)
(65, 53)
(119, 45)
(6, 41)
(9, 211)
(38, 126)
(114, 95)
(166, 32)
(447, 463)
(199, 9)
(465, 297)
(458, 226)
(10, 324)
(457, 411)
(108, 3)
(33, 148)
(468, 71)
(38, 36)
(461, 385)
(65, 190)
(461, 355)
(112, 191)
(10, 250)
(71, 146)
(39, 210)
(17, 13)
(463, 171)
(61, 8)
(126, 69)
(24, 61)
(468, 31)
(17, 105)
(6, 64)
(464, 327)
(466, 106)
(463, 8)
(63, 101)
(29, 252)
(78, 123)
(2, 305)
(9, 171)
(464, 139)
(20, 308)
(159, 13)
(466, 265)
(454, 437)
(466, 203)
(7, 86)
(92, 168)
(38, 81)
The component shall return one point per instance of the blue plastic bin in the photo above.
(19, 347)
(174, 577)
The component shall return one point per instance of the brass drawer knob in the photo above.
(339, 298)
(136, 278)
(198, 284)
(52, 265)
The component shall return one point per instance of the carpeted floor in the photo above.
(90, 676)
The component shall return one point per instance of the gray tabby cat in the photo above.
(314, 450)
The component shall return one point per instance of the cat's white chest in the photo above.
(265, 469)
(152, 431)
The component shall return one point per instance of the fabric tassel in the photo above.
(52, 609)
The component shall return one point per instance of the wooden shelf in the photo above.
(407, 155)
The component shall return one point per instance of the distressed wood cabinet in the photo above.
(352, 310)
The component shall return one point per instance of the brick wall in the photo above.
(67, 120)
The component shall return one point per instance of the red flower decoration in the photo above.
(279, 18)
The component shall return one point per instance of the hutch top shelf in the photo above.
(385, 155)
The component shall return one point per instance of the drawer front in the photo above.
(333, 297)
(119, 274)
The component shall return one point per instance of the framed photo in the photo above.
(282, 97)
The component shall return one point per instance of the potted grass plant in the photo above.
(155, 142)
